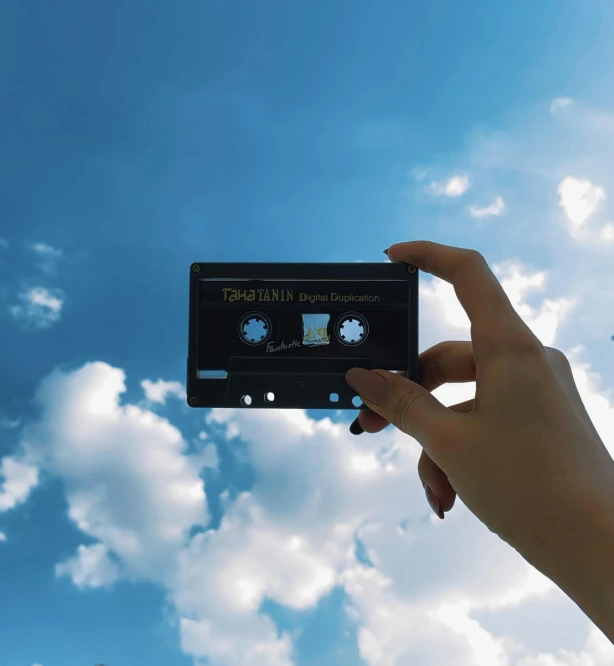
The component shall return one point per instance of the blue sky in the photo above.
(138, 138)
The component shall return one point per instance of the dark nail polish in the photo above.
(385, 251)
(433, 502)
(356, 428)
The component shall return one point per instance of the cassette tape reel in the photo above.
(284, 335)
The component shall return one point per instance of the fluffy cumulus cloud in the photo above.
(90, 567)
(562, 169)
(454, 187)
(551, 314)
(18, 478)
(597, 652)
(158, 391)
(579, 199)
(426, 591)
(2, 537)
(40, 307)
(129, 484)
(495, 209)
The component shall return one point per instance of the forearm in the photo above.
(590, 579)
(581, 560)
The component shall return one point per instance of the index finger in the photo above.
(494, 321)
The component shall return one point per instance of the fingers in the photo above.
(402, 402)
(444, 363)
(368, 421)
(435, 478)
(495, 325)
(443, 495)
(449, 362)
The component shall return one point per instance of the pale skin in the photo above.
(523, 455)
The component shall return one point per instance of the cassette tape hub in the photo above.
(273, 335)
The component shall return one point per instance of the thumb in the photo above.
(407, 405)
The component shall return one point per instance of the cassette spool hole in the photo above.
(269, 397)
(254, 328)
(356, 401)
(352, 329)
(246, 400)
(334, 397)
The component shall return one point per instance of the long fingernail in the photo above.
(367, 384)
(356, 428)
(433, 502)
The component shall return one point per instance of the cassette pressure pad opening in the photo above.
(284, 335)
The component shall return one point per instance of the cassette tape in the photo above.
(273, 335)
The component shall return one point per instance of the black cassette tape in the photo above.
(264, 335)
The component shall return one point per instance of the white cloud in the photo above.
(579, 198)
(128, 481)
(560, 103)
(40, 307)
(396, 629)
(90, 567)
(2, 537)
(456, 186)
(607, 232)
(49, 256)
(256, 645)
(545, 321)
(538, 155)
(291, 538)
(597, 652)
(159, 390)
(496, 208)
(208, 457)
(20, 479)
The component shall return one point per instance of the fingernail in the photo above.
(433, 502)
(386, 251)
(356, 428)
(367, 384)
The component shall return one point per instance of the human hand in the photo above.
(523, 455)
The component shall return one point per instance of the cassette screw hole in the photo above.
(356, 401)
(269, 397)
(334, 397)
(302, 384)
(193, 401)
(246, 400)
